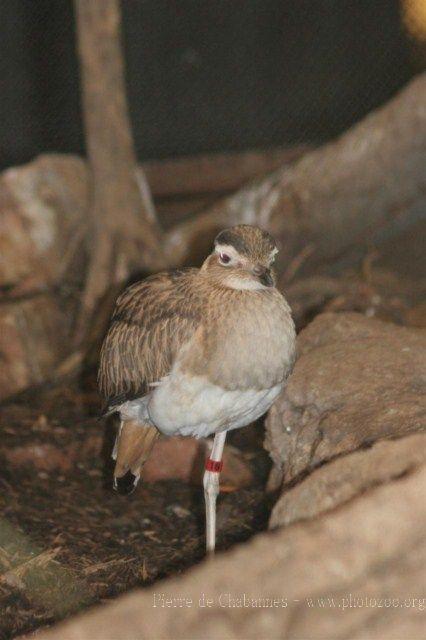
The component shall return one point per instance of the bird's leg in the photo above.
(211, 488)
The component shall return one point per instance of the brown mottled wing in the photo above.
(151, 321)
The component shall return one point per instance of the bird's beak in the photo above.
(264, 274)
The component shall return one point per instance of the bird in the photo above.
(197, 352)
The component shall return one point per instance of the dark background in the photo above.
(205, 75)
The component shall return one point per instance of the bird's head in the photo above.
(243, 257)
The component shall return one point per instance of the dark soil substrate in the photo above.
(67, 541)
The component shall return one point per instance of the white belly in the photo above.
(191, 406)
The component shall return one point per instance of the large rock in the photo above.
(357, 380)
(348, 476)
(42, 208)
(34, 337)
(42, 249)
(358, 572)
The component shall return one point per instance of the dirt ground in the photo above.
(67, 540)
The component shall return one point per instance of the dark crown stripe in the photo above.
(230, 238)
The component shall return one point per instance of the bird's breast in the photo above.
(247, 344)
(230, 372)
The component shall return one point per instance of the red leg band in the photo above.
(214, 465)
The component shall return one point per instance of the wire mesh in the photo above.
(211, 76)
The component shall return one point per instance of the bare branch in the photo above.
(368, 182)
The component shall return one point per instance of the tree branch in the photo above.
(360, 187)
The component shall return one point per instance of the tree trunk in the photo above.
(124, 235)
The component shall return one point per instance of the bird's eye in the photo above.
(224, 258)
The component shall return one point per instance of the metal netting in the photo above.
(211, 76)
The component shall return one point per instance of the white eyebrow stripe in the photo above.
(228, 249)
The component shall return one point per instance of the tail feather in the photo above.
(132, 448)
